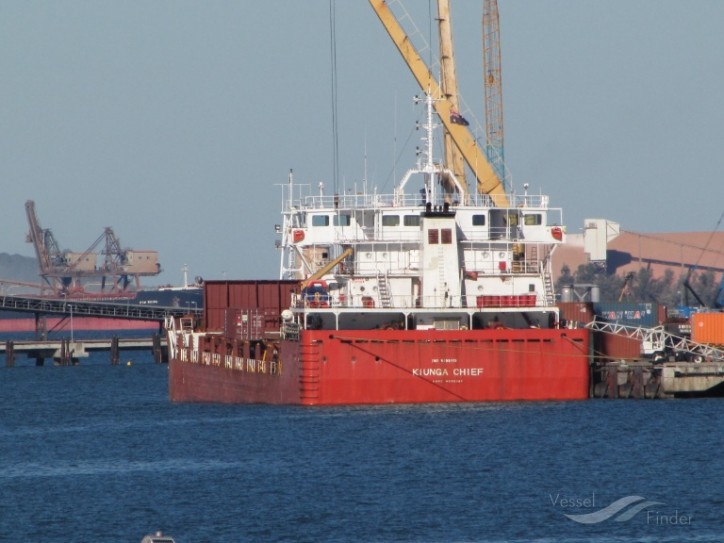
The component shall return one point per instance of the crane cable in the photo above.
(708, 242)
(333, 60)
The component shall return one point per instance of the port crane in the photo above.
(488, 182)
(493, 89)
(448, 85)
(658, 343)
(114, 270)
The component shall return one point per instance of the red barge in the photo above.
(428, 294)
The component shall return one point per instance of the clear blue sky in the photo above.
(174, 121)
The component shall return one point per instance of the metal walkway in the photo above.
(659, 340)
(84, 308)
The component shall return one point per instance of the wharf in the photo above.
(643, 379)
(86, 308)
(67, 351)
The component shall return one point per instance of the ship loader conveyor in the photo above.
(697, 369)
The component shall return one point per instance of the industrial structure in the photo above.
(112, 270)
(622, 252)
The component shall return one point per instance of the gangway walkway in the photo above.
(660, 341)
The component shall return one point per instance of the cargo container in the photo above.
(631, 314)
(270, 297)
(614, 347)
(580, 313)
(708, 328)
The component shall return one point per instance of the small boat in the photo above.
(158, 537)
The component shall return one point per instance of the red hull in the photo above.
(389, 366)
(84, 324)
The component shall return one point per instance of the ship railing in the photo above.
(394, 235)
(248, 324)
(537, 201)
(170, 324)
(409, 302)
(484, 262)
(374, 200)
(347, 235)
(290, 331)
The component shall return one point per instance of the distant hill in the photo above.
(18, 268)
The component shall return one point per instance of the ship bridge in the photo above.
(432, 252)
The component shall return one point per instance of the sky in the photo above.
(175, 122)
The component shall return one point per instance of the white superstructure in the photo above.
(420, 257)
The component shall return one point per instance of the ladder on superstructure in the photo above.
(530, 264)
(549, 294)
(385, 299)
(441, 273)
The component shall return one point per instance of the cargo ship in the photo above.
(428, 294)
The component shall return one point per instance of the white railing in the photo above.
(424, 303)
(380, 201)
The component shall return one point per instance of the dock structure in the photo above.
(676, 366)
(67, 352)
(87, 308)
(642, 379)
(70, 351)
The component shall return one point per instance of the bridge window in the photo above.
(342, 220)
(320, 220)
(390, 220)
(511, 218)
(412, 220)
(533, 220)
(478, 220)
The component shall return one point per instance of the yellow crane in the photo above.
(449, 86)
(487, 180)
(321, 272)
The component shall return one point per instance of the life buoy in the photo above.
(316, 294)
(318, 283)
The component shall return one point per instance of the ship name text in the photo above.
(444, 372)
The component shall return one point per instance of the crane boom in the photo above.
(449, 86)
(493, 88)
(326, 269)
(36, 236)
(487, 180)
(67, 271)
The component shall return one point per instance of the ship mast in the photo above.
(426, 164)
(487, 180)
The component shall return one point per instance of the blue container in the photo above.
(629, 314)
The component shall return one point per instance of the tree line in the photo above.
(642, 286)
